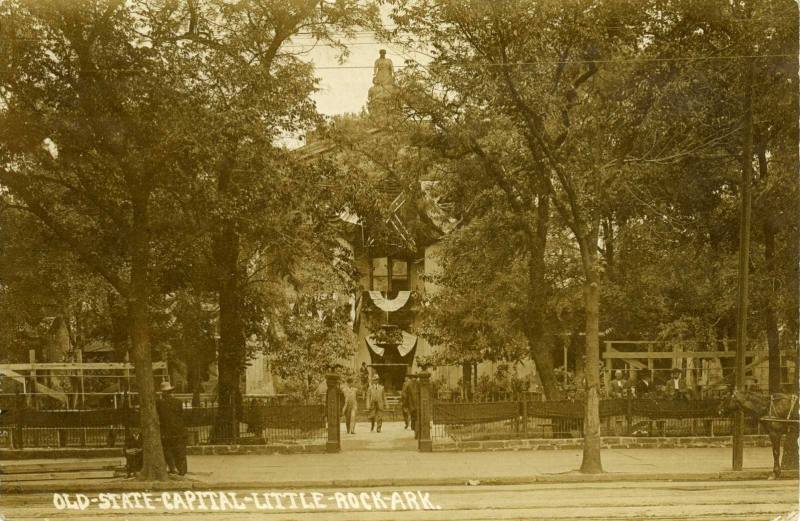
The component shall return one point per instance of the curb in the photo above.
(125, 486)
(608, 442)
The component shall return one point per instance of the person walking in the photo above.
(350, 406)
(375, 403)
(173, 432)
(363, 375)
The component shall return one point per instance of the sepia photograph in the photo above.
(399, 260)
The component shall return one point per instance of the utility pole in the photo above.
(744, 257)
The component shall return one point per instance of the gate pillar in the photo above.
(332, 410)
(424, 442)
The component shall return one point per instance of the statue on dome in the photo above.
(383, 71)
(381, 94)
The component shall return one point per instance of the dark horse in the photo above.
(778, 413)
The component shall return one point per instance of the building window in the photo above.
(380, 274)
(399, 275)
(385, 269)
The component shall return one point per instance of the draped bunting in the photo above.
(405, 347)
(387, 305)
(409, 341)
(378, 350)
(356, 312)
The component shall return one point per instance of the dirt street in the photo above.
(718, 500)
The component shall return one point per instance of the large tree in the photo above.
(594, 94)
(256, 87)
(93, 117)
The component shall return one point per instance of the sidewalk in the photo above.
(390, 459)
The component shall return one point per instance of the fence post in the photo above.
(425, 444)
(31, 398)
(19, 418)
(524, 414)
(332, 412)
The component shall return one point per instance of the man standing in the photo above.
(409, 399)
(375, 403)
(173, 432)
(363, 375)
(641, 384)
(350, 406)
(676, 388)
(617, 387)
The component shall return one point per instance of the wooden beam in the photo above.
(40, 387)
(631, 363)
(88, 366)
(677, 354)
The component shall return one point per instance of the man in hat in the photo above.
(375, 403)
(641, 383)
(363, 375)
(408, 397)
(676, 388)
(350, 405)
(617, 387)
(173, 432)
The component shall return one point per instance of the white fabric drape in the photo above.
(405, 347)
(409, 341)
(387, 305)
(378, 350)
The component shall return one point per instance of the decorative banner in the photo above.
(355, 311)
(387, 305)
(405, 347)
(409, 341)
(375, 347)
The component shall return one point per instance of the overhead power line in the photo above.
(530, 63)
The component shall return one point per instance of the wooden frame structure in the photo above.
(645, 360)
(34, 377)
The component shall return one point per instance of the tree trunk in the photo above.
(591, 463)
(154, 467)
(770, 315)
(543, 359)
(537, 301)
(608, 242)
(194, 381)
(231, 350)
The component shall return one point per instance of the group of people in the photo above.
(642, 385)
(375, 402)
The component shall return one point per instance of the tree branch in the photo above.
(83, 250)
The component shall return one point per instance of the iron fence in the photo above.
(477, 421)
(258, 424)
